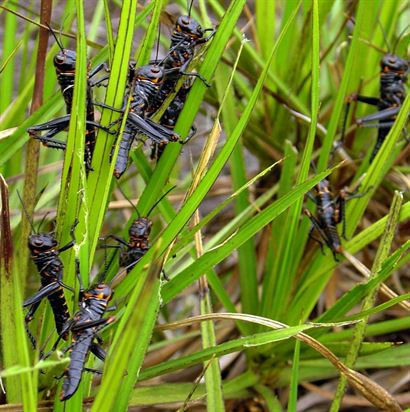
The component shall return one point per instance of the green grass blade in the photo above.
(7, 75)
(166, 163)
(73, 193)
(124, 358)
(96, 21)
(377, 169)
(142, 56)
(99, 181)
(318, 275)
(247, 252)
(211, 258)
(280, 282)
(110, 35)
(382, 253)
(18, 388)
(354, 296)
(213, 380)
(231, 346)
(193, 201)
(293, 390)
(362, 14)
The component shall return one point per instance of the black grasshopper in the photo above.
(64, 63)
(138, 244)
(84, 326)
(186, 36)
(146, 82)
(330, 212)
(393, 76)
(170, 117)
(45, 255)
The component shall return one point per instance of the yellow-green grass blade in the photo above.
(368, 303)
(346, 302)
(176, 225)
(186, 238)
(350, 80)
(18, 388)
(124, 358)
(7, 75)
(168, 160)
(234, 345)
(73, 191)
(283, 332)
(171, 392)
(99, 181)
(350, 299)
(96, 21)
(193, 201)
(110, 35)
(280, 282)
(255, 57)
(246, 253)
(142, 55)
(11, 144)
(377, 170)
(319, 273)
(293, 390)
(211, 258)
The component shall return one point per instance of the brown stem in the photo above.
(33, 146)
(6, 242)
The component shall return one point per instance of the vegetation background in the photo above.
(254, 316)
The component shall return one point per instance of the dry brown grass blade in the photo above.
(206, 156)
(384, 289)
(372, 391)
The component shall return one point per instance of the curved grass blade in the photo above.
(382, 252)
(211, 258)
(206, 183)
(279, 283)
(319, 273)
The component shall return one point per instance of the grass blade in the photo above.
(211, 258)
(12, 330)
(280, 282)
(382, 253)
(99, 182)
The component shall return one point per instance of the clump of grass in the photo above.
(280, 76)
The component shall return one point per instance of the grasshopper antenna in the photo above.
(401, 35)
(101, 277)
(159, 36)
(159, 200)
(313, 166)
(26, 213)
(190, 8)
(129, 201)
(42, 221)
(60, 45)
(384, 35)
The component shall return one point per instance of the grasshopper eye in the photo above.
(38, 242)
(185, 21)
